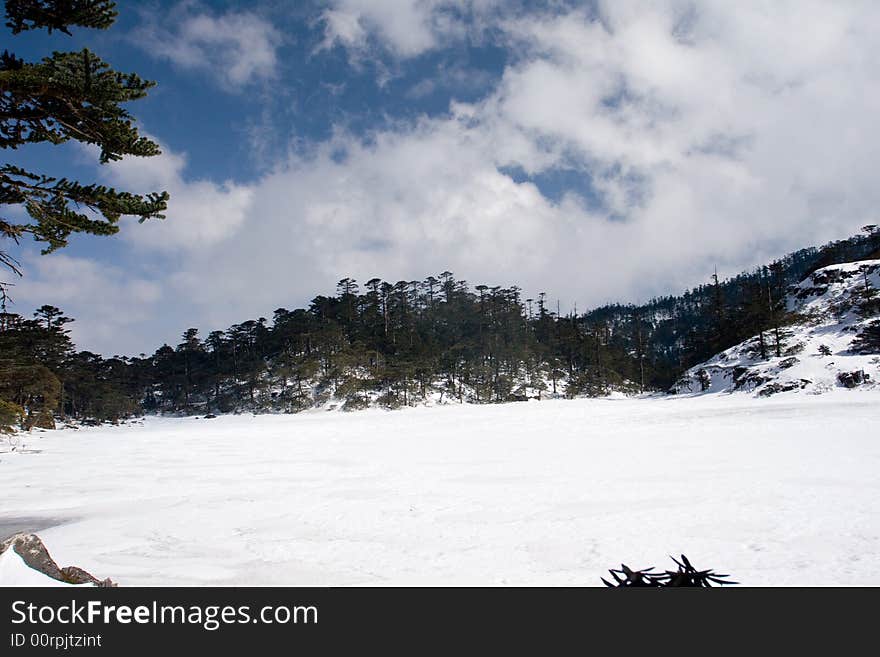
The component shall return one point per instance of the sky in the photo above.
(597, 151)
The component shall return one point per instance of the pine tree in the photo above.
(868, 340)
(756, 312)
(67, 96)
(189, 351)
(776, 303)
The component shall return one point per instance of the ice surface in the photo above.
(777, 491)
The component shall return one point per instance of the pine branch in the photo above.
(71, 96)
(68, 96)
(685, 576)
(22, 15)
(50, 202)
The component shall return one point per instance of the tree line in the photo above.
(398, 344)
(374, 342)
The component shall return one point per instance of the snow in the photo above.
(15, 572)
(827, 302)
(778, 491)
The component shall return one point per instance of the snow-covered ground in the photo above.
(15, 572)
(777, 491)
(818, 346)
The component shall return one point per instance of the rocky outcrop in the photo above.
(832, 342)
(32, 551)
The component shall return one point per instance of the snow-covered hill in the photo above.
(827, 347)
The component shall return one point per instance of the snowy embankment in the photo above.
(821, 350)
(774, 491)
(15, 572)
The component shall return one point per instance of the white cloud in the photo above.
(236, 48)
(706, 148)
(200, 212)
(345, 27)
(111, 307)
(403, 24)
(712, 133)
(403, 28)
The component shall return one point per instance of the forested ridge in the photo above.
(398, 344)
(372, 343)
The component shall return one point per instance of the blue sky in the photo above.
(597, 151)
(237, 129)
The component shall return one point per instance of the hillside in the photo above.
(832, 342)
(445, 340)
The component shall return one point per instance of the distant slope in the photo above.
(681, 331)
(827, 347)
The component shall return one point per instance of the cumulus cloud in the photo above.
(404, 25)
(200, 212)
(403, 28)
(403, 206)
(710, 133)
(235, 48)
(111, 306)
(744, 125)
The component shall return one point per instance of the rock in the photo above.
(774, 388)
(745, 378)
(32, 551)
(76, 575)
(852, 379)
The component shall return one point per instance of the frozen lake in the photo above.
(778, 491)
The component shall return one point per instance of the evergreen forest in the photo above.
(399, 344)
